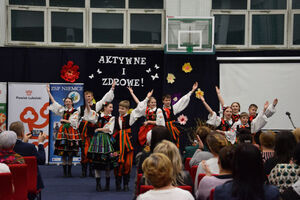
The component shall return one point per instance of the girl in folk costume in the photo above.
(67, 139)
(82, 121)
(101, 150)
(123, 139)
(170, 111)
(154, 116)
(222, 124)
(235, 106)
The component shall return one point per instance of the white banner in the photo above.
(257, 83)
(3, 104)
(28, 103)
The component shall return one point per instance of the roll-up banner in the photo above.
(28, 103)
(3, 104)
(59, 92)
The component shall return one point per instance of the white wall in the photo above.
(2, 22)
(188, 7)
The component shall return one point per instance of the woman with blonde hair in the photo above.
(158, 170)
(171, 151)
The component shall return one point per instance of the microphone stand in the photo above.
(291, 121)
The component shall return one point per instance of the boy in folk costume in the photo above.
(67, 138)
(85, 127)
(170, 111)
(153, 115)
(123, 139)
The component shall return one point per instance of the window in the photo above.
(254, 23)
(150, 34)
(96, 23)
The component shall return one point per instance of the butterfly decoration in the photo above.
(99, 71)
(91, 76)
(148, 70)
(156, 66)
(154, 76)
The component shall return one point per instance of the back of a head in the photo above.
(159, 133)
(216, 142)
(296, 133)
(285, 143)
(171, 151)
(226, 155)
(267, 139)
(247, 172)
(158, 170)
(202, 132)
(7, 140)
(296, 156)
(244, 136)
(17, 127)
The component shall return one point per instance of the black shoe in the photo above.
(98, 185)
(107, 184)
(126, 182)
(65, 170)
(69, 170)
(118, 183)
(83, 172)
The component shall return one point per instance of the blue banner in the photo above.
(60, 91)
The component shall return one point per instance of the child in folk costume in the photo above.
(170, 111)
(67, 138)
(85, 127)
(123, 139)
(243, 123)
(101, 150)
(235, 106)
(154, 116)
(269, 112)
(222, 124)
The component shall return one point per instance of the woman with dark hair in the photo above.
(284, 175)
(209, 182)
(285, 144)
(248, 177)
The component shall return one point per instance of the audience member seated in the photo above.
(267, 143)
(284, 175)
(158, 171)
(248, 177)
(26, 149)
(168, 148)
(202, 153)
(245, 136)
(215, 142)
(296, 133)
(209, 182)
(4, 168)
(155, 136)
(285, 144)
(7, 142)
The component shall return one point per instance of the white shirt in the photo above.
(4, 168)
(169, 194)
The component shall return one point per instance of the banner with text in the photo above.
(28, 103)
(60, 91)
(141, 70)
(3, 115)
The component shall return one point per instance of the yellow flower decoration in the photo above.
(130, 110)
(170, 78)
(199, 93)
(187, 68)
